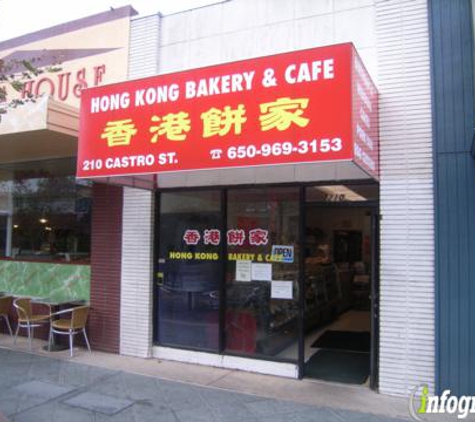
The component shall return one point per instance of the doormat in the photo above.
(356, 341)
(339, 366)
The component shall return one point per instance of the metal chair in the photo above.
(27, 319)
(5, 306)
(70, 327)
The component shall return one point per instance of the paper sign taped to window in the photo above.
(243, 270)
(282, 290)
(262, 272)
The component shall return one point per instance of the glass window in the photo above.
(190, 269)
(48, 211)
(262, 273)
(3, 235)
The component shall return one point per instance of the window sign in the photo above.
(261, 272)
(258, 237)
(236, 237)
(255, 237)
(281, 290)
(212, 237)
(192, 237)
(283, 253)
(243, 270)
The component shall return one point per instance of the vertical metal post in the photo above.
(374, 358)
(224, 262)
(301, 283)
(155, 255)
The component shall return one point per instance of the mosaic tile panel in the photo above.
(49, 280)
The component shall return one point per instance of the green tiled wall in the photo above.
(48, 280)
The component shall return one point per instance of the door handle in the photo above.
(160, 279)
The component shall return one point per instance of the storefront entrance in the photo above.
(339, 323)
(265, 272)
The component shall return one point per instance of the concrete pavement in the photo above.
(103, 387)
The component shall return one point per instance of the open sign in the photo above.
(284, 252)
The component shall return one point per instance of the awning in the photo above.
(39, 130)
(302, 116)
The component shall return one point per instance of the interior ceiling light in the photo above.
(336, 191)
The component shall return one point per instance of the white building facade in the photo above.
(392, 38)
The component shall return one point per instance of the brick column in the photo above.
(106, 250)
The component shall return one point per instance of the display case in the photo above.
(323, 293)
(259, 324)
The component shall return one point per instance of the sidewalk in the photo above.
(103, 387)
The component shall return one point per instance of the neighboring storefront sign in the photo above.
(305, 106)
(63, 85)
(84, 53)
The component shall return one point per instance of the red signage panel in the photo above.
(289, 108)
(365, 119)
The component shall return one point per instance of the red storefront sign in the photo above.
(365, 119)
(301, 107)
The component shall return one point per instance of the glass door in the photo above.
(262, 273)
(340, 283)
(189, 269)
